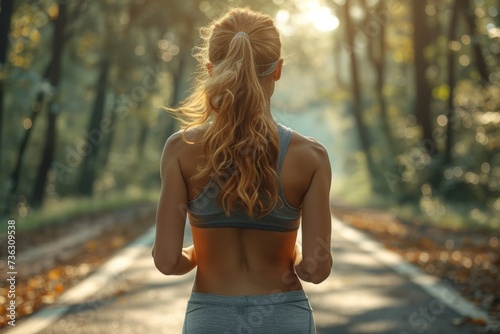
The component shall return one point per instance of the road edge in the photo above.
(443, 292)
(43, 318)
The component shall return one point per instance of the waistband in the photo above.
(272, 299)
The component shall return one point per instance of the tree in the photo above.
(145, 24)
(58, 43)
(458, 6)
(376, 54)
(15, 177)
(6, 9)
(422, 38)
(461, 7)
(470, 19)
(36, 109)
(357, 107)
(94, 135)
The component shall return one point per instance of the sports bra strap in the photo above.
(284, 134)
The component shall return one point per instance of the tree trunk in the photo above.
(52, 110)
(6, 9)
(380, 93)
(177, 92)
(36, 109)
(421, 40)
(356, 91)
(94, 134)
(450, 112)
(380, 79)
(376, 53)
(16, 173)
(48, 155)
(109, 137)
(470, 19)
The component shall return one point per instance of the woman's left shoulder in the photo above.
(182, 138)
(174, 143)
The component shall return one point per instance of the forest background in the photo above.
(404, 94)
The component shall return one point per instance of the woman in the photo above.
(245, 183)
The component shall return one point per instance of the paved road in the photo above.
(362, 295)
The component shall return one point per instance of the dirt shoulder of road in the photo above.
(470, 261)
(40, 281)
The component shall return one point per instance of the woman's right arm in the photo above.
(313, 261)
(168, 253)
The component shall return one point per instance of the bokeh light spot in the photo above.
(442, 120)
(27, 123)
(140, 50)
(465, 39)
(454, 45)
(464, 60)
(205, 6)
(485, 167)
(430, 10)
(163, 44)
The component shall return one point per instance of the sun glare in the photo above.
(322, 17)
(310, 13)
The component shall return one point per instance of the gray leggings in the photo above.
(286, 312)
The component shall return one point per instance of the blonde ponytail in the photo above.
(240, 142)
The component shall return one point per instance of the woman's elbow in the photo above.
(320, 275)
(316, 272)
(164, 266)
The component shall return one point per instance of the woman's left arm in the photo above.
(169, 256)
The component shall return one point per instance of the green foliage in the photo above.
(60, 210)
(464, 187)
(148, 45)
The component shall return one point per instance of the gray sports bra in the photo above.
(209, 214)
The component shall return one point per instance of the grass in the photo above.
(467, 216)
(353, 189)
(56, 211)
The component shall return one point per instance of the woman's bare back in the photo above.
(241, 261)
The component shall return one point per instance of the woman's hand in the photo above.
(298, 263)
(297, 254)
(185, 263)
(190, 254)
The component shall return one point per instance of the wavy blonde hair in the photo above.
(240, 142)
